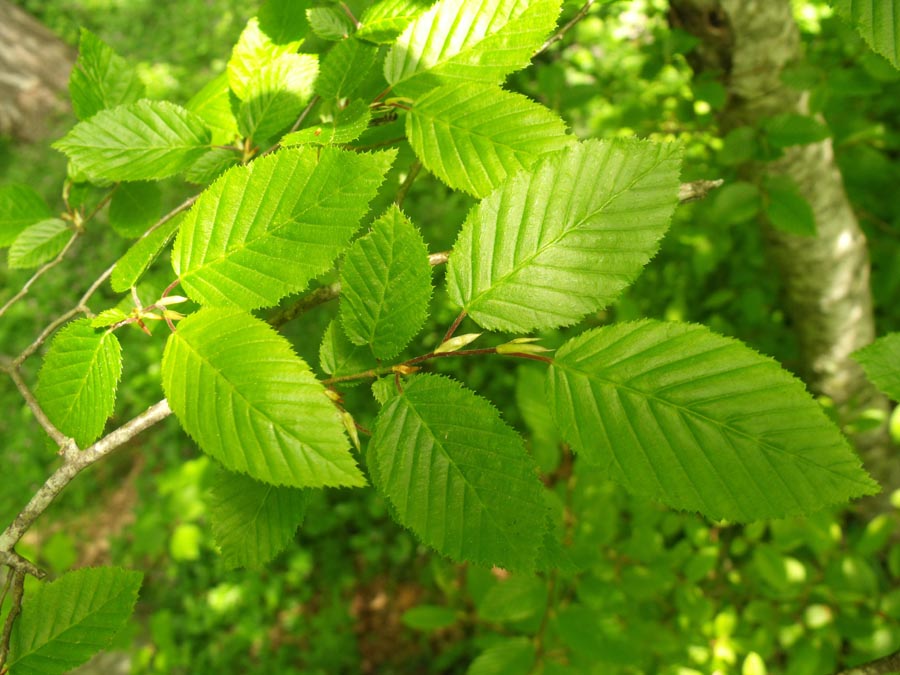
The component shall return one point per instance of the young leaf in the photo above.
(131, 266)
(38, 243)
(386, 285)
(458, 476)
(211, 165)
(563, 239)
(338, 356)
(878, 21)
(147, 140)
(212, 104)
(329, 23)
(473, 135)
(254, 51)
(134, 207)
(239, 390)
(101, 79)
(252, 521)
(345, 68)
(264, 230)
(275, 95)
(348, 125)
(700, 422)
(77, 383)
(384, 20)
(20, 206)
(881, 361)
(468, 40)
(513, 656)
(65, 622)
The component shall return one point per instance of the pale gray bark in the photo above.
(825, 278)
(34, 74)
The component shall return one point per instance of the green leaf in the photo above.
(147, 140)
(275, 95)
(284, 21)
(468, 40)
(329, 23)
(38, 243)
(473, 135)
(878, 21)
(212, 165)
(383, 21)
(386, 285)
(429, 617)
(345, 68)
(252, 521)
(348, 125)
(457, 475)
(790, 129)
(131, 266)
(239, 390)
(134, 207)
(513, 656)
(212, 104)
(20, 206)
(254, 51)
(562, 240)
(101, 79)
(65, 622)
(787, 209)
(264, 230)
(700, 422)
(77, 382)
(881, 361)
(338, 356)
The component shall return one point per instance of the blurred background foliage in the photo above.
(648, 590)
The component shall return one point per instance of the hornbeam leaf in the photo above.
(338, 356)
(264, 230)
(347, 125)
(101, 79)
(212, 104)
(77, 383)
(65, 622)
(881, 361)
(383, 21)
(20, 206)
(252, 521)
(473, 40)
(386, 285)
(254, 51)
(458, 475)
(345, 68)
(564, 238)
(701, 422)
(239, 390)
(147, 140)
(878, 21)
(472, 135)
(38, 243)
(131, 266)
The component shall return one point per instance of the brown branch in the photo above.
(37, 275)
(882, 666)
(561, 33)
(73, 464)
(64, 443)
(698, 189)
(317, 297)
(414, 170)
(18, 592)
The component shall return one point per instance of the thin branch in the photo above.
(307, 302)
(73, 464)
(886, 664)
(18, 592)
(37, 275)
(698, 189)
(414, 170)
(454, 326)
(81, 307)
(65, 443)
(561, 33)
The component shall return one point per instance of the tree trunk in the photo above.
(825, 278)
(34, 73)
